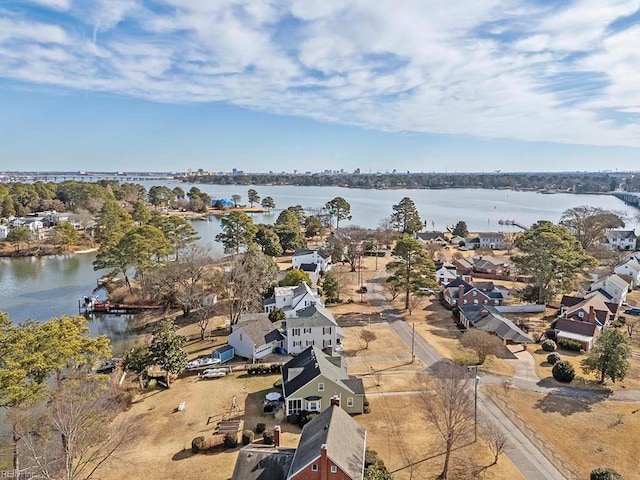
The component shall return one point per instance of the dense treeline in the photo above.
(572, 182)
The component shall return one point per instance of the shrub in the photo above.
(293, 418)
(572, 345)
(305, 417)
(603, 473)
(198, 445)
(370, 457)
(260, 427)
(563, 372)
(466, 358)
(550, 334)
(365, 404)
(267, 437)
(554, 358)
(247, 437)
(230, 440)
(549, 345)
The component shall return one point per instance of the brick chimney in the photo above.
(592, 314)
(335, 400)
(324, 463)
(484, 313)
(460, 295)
(276, 435)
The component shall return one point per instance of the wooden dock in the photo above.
(97, 307)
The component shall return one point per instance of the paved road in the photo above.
(524, 454)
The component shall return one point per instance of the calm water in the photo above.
(42, 288)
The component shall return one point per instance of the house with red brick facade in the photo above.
(332, 447)
(460, 293)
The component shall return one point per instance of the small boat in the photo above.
(213, 373)
(202, 362)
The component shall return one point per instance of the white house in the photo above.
(492, 240)
(32, 223)
(614, 286)
(312, 326)
(308, 256)
(292, 299)
(630, 268)
(4, 231)
(255, 336)
(621, 240)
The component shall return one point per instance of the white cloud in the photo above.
(494, 68)
(53, 4)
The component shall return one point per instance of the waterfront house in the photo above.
(583, 318)
(332, 446)
(621, 240)
(312, 379)
(457, 240)
(292, 299)
(489, 265)
(318, 256)
(492, 240)
(255, 336)
(4, 231)
(447, 272)
(312, 326)
(432, 238)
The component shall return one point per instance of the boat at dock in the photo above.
(92, 305)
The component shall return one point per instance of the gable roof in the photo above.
(611, 279)
(312, 316)
(621, 234)
(491, 320)
(263, 462)
(430, 236)
(258, 328)
(344, 438)
(311, 363)
(574, 326)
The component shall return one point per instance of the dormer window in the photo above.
(581, 314)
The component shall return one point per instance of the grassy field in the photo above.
(436, 326)
(410, 447)
(583, 434)
(161, 446)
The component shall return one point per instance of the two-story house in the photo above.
(312, 326)
(292, 299)
(307, 256)
(630, 269)
(459, 293)
(432, 238)
(332, 446)
(4, 231)
(621, 240)
(583, 318)
(312, 379)
(615, 286)
(492, 240)
(448, 272)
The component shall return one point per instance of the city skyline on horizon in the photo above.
(168, 85)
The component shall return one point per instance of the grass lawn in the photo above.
(436, 326)
(161, 446)
(398, 431)
(583, 435)
(386, 353)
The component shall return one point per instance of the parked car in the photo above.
(362, 289)
(632, 311)
(427, 291)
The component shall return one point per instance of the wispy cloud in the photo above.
(493, 68)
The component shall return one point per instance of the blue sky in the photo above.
(263, 85)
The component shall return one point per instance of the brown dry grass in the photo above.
(435, 324)
(161, 447)
(387, 353)
(398, 431)
(583, 434)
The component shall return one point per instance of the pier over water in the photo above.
(630, 198)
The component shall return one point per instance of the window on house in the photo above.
(321, 387)
(581, 314)
(307, 330)
(475, 301)
(313, 405)
(349, 401)
(314, 467)
(334, 469)
(297, 343)
(295, 405)
(310, 342)
(326, 343)
(295, 332)
(496, 302)
(475, 293)
(464, 301)
(326, 330)
(240, 337)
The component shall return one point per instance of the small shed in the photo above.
(224, 353)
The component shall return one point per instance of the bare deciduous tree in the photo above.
(392, 289)
(496, 441)
(416, 300)
(448, 403)
(70, 436)
(482, 343)
(631, 324)
(367, 336)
